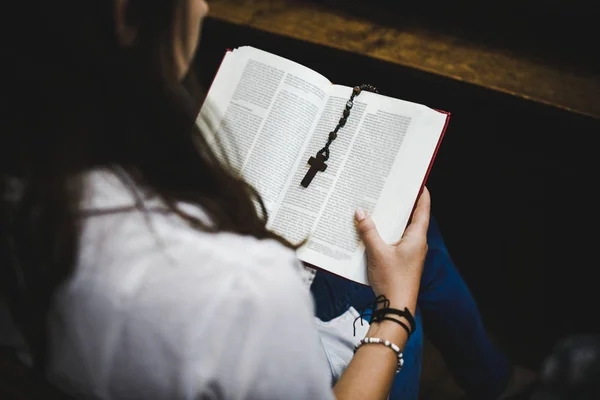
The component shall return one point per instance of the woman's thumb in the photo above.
(368, 231)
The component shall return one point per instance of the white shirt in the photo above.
(158, 310)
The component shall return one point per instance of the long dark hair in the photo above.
(77, 101)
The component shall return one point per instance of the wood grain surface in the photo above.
(417, 47)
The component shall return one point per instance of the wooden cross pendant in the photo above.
(316, 165)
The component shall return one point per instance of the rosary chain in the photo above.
(349, 104)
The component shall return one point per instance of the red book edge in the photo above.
(435, 152)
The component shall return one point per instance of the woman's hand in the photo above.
(395, 270)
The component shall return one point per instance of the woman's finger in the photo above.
(368, 231)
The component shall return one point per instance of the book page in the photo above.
(260, 110)
(300, 207)
(377, 163)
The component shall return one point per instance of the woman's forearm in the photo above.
(394, 271)
(370, 374)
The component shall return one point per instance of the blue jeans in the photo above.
(448, 314)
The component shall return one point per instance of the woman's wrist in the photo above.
(402, 299)
(389, 330)
(399, 302)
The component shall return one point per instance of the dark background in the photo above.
(513, 189)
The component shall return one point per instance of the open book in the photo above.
(269, 115)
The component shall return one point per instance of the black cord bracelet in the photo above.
(379, 314)
(402, 324)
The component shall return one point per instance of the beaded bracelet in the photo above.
(386, 343)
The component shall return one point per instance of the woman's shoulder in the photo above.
(157, 287)
(118, 240)
(115, 229)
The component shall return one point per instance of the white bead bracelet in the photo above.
(386, 343)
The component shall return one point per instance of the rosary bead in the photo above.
(342, 121)
(349, 104)
(346, 113)
(369, 88)
(332, 136)
(356, 90)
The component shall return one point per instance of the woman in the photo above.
(135, 265)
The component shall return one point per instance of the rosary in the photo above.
(317, 164)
